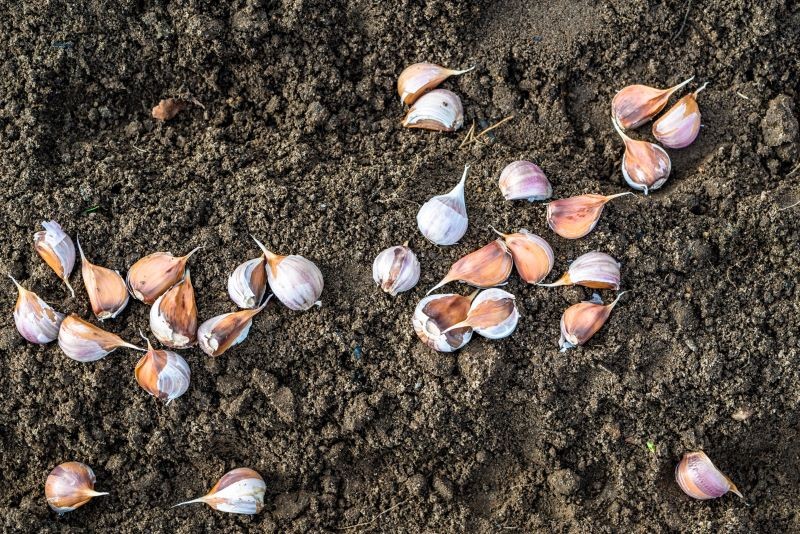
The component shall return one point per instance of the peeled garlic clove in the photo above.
(486, 267)
(636, 104)
(162, 373)
(418, 78)
(493, 314)
(151, 276)
(593, 269)
(173, 316)
(106, 288)
(440, 110)
(222, 332)
(699, 478)
(240, 491)
(294, 280)
(443, 219)
(57, 250)
(248, 283)
(645, 166)
(84, 342)
(436, 314)
(574, 217)
(522, 180)
(36, 320)
(582, 320)
(678, 127)
(396, 269)
(533, 256)
(69, 486)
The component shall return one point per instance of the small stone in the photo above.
(684, 315)
(563, 482)
(742, 413)
(779, 125)
(443, 487)
(417, 485)
(284, 404)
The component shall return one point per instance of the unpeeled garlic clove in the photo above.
(248, 283)
(593, 269)
(162, 373)
(84, 342)
(153, 275)
(636, 104)
(418, 78)
(173, 316)
(296, 281)
(582, 320)
(523, 180)
(678, 127)
(107, 291)
(443, 219)
(69, 486)
(699, 478)
(240, 491)
(439, 110)
(396, 269)
(57, 250)
(222, 332)
(645, 166)
(486, 267)
(574, 217)
(436, 314)
(36, 320)
(533, 256)
(493, 314)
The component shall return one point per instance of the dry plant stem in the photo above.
(469, 137)
(685, 17)
(367, 523)
(492, 127)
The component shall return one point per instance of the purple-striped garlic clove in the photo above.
(488, 266)
(593, 269)
(645, 166)
(439, 110)
(69, 486)
(396, 269)
(533, 256)
(84, 342)
(417, 79)
(248, 283)
(582, 320)
(699, 478)
(493, 314)
(151, 276)
(523, 180)
(636, 104)
(173, 316)
(35, 319)
(240, 491)
(162, 373)
(679, 126)
(222, 332)
(295, 281)
(574, 217)
(107, 291)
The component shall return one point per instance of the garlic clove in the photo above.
(162, 373)
(57, 250)
(493, 314)
(222, 332)
(593, 269)
(443, 219)
(582, 320)
(107, 291)
(439, 110)
(396, 269)
(153, 275)
(35, 319)
(248, 283)
(240, 491)
(84, 342)
(699, 478)
(533, 256)
(523, 180)
(574, 217)
(486, 267)
(636, 104)
(418, 78)
(296, 281)
(69, 486)
(679, 126)
(645, 166)
(433, 317)
(173, 316)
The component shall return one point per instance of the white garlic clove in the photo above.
(57, 250)
(699, 478)
(636, 104)
(107, 291)
(418, 78)
(151, 276)
(162, 373)
(443, 219)
(439, 110)
(678, 127)
(396, 269)
(582, 320)
(435, 314)
(574, 217)
(645, 166)
(248, 283)
(493, 314)
(173, 316)
(240, 491)
(593, 269)
(222, 332)
(84, 342)
(69, 486)
(486, 267)
(36, 320)
(523, 180)
(295, 281)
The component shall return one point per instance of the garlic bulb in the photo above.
(418, 78)
(533, 256)
(222, 332)
(173, 316)
(162, 373)
(396, 269)
(636, 104)
(699, 478)
(645, 166)
(151, 276)
(294, 280)
(486, 267)
(574, 217)
(84, 342)
(440, 110)
(443, 219)
(57, 250)
(593, 269)
(248, 283)
(522, 180)
(69, 486)
(107, 291)
(678, 127)
(36, 320)
(433, 317)
(240, 491)
(582, 320)
(493, 314)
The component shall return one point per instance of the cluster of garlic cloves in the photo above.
(493, 314)
(636, 104)
(69, 486)
(84, 342)
(594, 269)
(173, 316)
(582, 320)
(700, 479)
(57, 250)
(443, 219)
(107, 291)
(431, 109)
(523, 180)
(486, 267)
(575, 217)
(435, 316)
(162, 373)
(153, 275)
(222, 332)
(396, 269)
(35, 320)
(239, 491)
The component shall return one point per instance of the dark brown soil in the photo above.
(347, 415)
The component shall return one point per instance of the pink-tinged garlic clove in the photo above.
(153, 275)
(69, 486)
(699, 478)
(575, 217)
(493, 314)
(679, 126)
(636, 104)
(35, 319)
(488, 266)
(533, 256)
(417, 79)
(295, 281)
(84, 342)
(581, 321)
(593, 269)
(645, 166)
(435, 314)
(523, 180)
(57, 250)
(240, 491)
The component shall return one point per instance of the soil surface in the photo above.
(355, 424)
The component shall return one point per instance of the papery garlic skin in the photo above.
(240, 491)
(523, 180)
(679, 126)
(107, 291)
(435, 314)
(645, 166)
(84, 342)
(69, 486)
(163, 374)
(575, 217)
(294, 280)
(439, 110)
(583, 320)
(486, 267)
(636, 104)
(443, 219)
(35, 320)
(173, 316)
(493, 314)
(218, 334)
(151, 276)
(248, 283)
(699, 478)
(57, 250)
(593, 269)
(418, 78)
(533, 256)
(396, 269)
